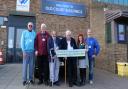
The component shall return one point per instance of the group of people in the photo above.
(44, 45)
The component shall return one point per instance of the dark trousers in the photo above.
(83, 74)
(43, 65)
(72, 70)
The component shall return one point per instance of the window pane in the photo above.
(125, 2)
(1, 20)
(121, 2)
(116, 1)
(108, 33)
(11, 37)
(121, 31)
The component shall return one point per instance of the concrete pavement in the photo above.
(10, 78)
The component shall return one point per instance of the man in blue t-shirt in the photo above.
(93, 51)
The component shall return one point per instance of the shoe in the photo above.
(46, 83)
(31, 82)
(24, 83)
(40, 82)
(82, 83)
(76, 83)
(70, 84)
(57, 83)
(91, 82)
(50, 84)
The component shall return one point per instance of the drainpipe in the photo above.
(127, 42)
(127, 49)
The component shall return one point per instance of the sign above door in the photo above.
(23, 5)
(63, 8)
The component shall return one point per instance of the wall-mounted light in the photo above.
(105, 9)
(3, 26)
(2, 42)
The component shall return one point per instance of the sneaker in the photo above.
(24, 83)
(57, 83)
(40, 82)
(46, 83)
(50, 84)
(31, 82)
(91, 82)
(76, 83)
(70, 84)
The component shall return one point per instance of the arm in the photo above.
(74, 42)
(48, 46)
(97, 47)
(36, 45)
(22, 41)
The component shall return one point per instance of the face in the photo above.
(43, 29)
(30, 26)
(80, 38)
(68, 36)
(89, 33)
(53, 34)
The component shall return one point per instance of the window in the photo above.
(116, 1)
(1, 21)
(121, 33)
(108, 34)
(119, 2)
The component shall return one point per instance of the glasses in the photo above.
(30, 25)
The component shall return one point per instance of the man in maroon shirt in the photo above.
(42, 54)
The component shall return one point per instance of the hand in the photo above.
(86, 50)
(57, 48)
(54, 57)
(36, 53)
(93, 56)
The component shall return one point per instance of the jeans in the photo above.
(91, 68)
(54, 66)
(28, 65)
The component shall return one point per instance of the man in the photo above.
(93, 51)
(27, 45)
(68, 43)
(41, 52)
(54, 64)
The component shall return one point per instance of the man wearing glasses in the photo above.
(27, 46)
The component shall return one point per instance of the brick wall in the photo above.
(94, 20)
(110, 53)
(61, 23)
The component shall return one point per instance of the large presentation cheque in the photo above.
(71, 53)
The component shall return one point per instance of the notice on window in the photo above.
(10, 44)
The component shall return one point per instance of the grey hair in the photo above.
(89, 30)
(68, 32)
(30, 23)
(43, 25)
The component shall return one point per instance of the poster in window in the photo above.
(121, 33)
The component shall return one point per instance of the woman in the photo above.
(82, 60)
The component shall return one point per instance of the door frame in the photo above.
(26, 20)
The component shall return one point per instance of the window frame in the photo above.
(114, 2)
(125, 33)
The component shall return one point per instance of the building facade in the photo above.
(13, 20)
